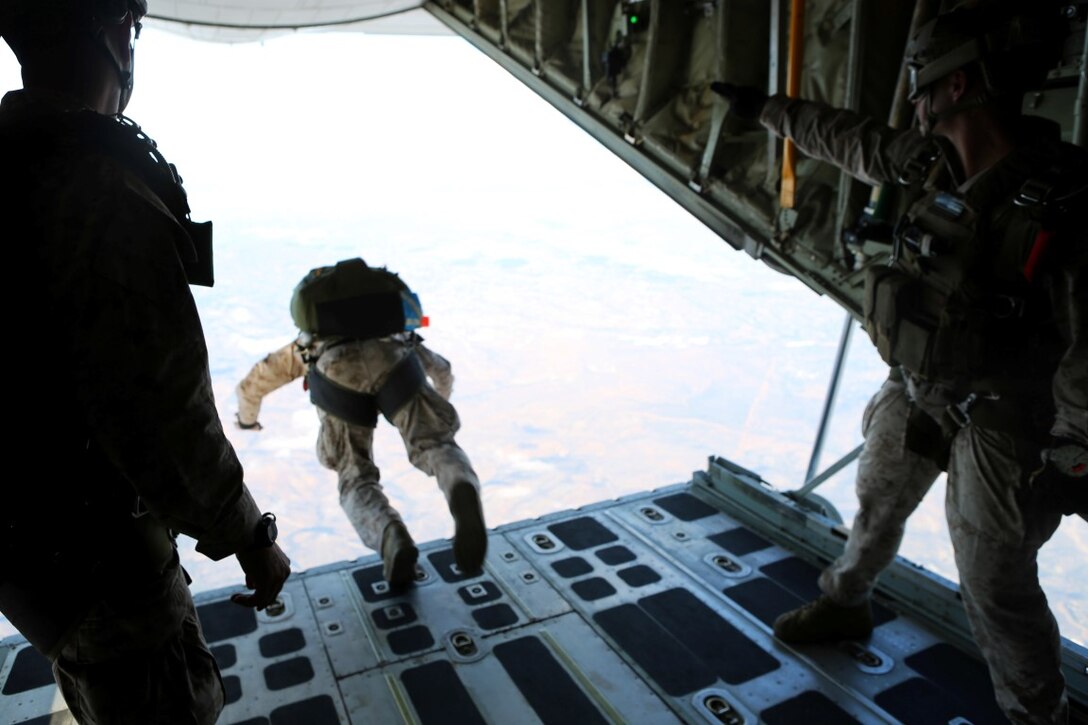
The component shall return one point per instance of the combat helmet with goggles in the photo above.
(1012, 50)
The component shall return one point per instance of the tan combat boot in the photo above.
(824, 621)
(470, 533)
(399, 555)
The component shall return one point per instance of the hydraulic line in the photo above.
(788, 195)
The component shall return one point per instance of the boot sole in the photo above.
(805, 638)
(403, 571)
(470, 533)
(800, 630)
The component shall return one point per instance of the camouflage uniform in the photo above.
(120, 405)
(997, 522)
(427, 422)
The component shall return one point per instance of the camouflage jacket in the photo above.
(877, 154)
(121, 395)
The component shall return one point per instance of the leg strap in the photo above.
(407, 377)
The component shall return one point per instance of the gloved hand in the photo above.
(1063, 477)
(744, 101)
(255, 425)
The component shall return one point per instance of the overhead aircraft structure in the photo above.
(636, 76)
(655, 607)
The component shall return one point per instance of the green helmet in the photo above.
(1014, 45)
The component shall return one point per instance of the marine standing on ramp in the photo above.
(360, 357)
(983, 316)
(118, 434)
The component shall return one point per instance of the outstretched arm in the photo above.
(274, 371)
(861, 146)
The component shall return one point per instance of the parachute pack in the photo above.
(355, 300)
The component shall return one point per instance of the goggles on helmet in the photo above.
(923, 73)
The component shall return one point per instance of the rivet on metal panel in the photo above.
(862, 655)
(276, 608)
(680, 535)
(868, 659)
(421, 573)
(652, 514)
(380, 587)
(324, 602)
(394, 612)
(333, 628)
(720, 708)
(528, 576)
(543, 541)
(476, 591)
(724, 562)
(463, 644)
(509, 556)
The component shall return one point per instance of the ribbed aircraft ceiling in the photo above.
(246, 20)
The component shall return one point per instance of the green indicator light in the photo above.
(634, 19)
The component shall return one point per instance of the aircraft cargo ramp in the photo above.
(652, 608)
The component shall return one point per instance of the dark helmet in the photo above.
(1014, 45)
(28, 21)
(68, 12)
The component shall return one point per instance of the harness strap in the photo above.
(344, 403)
(403, 382)
(360, 408)
(1003, 414)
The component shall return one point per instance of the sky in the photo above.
(603, 341)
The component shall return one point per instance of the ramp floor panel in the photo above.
(654, 608)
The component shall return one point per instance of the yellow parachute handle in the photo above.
(788, 192)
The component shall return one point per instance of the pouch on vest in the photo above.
(906, 309)
(937, 225)
(962, 344)
(914, 325)
(354, 300)
(890, 296)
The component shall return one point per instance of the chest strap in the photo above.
(360, 408)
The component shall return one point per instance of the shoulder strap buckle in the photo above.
(1034, 192)
(918, 167)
